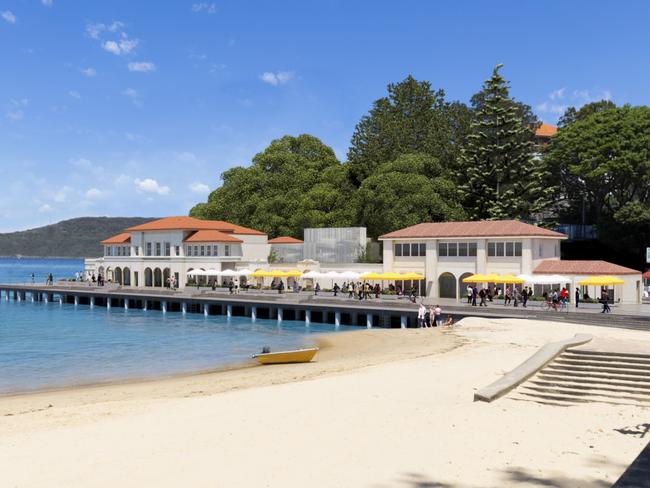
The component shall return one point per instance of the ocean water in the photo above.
(52, 345)
(14, 270)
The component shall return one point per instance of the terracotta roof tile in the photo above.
(285, 240)
(211, 236)
(578, 267)
(546, 130)
(484, 228)
(190, 223)
(122, 238)
(646, 275)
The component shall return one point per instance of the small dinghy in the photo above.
(282, 357)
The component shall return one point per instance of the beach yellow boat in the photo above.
(281, 357)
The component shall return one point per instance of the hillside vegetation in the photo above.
(74, 238)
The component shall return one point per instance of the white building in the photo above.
(447, 252)
(148, 254)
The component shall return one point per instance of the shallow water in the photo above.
(51, 345)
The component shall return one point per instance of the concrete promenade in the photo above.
(386, 311)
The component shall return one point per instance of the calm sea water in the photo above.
(13, 270)
(51, 345)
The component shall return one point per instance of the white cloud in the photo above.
(112, 47)
(134, 96)
(559, 100)
(142, 66)
(81, 163)
(15, 114)
(552, 108)
(95, 30)
(122, 180)
(149, 185)
(9, 16)
(123, 46)
(89, 72)
(199, 188)
(45, 208)
(61, 195)
(94, 194)
(75, 94)
(47, 3)
(557, 94)
(278, 78)
(208, 8)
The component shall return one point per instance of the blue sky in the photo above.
(134, 108)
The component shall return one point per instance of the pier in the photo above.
(383, 312)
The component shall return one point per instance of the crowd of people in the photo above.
(432, 317)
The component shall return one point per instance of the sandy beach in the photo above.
(380, 408)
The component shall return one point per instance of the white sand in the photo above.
(398, 412)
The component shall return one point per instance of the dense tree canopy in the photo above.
(411, 189)
(572, 114)
(498, 176)
(413, 118)
(603, 160)
(296, 182)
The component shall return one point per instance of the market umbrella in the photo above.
(601, 281)
(412, 276)
(508, 278)
(370, 276)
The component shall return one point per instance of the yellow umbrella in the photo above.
(412, 276)
(283, 273)
(260, 273)
(370, 276)
(601, 281)
(391, 275)
(508, 278)
(475, 278)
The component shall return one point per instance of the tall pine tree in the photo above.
(499, 175)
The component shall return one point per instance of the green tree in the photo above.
(499, 178)
(413, 118)
(296, 182)
(572, 114)
(603, 161)
(411, 189)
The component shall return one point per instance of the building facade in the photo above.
(152, 253)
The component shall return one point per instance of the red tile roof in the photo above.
(546, 130)
(122, 238)
(210, 236)
(285, 240)
(646, 275)
(577, 267)
(484, 228)
(190, 223)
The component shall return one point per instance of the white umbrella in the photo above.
(229, 272)
(312, 275)
(244, 272)
(545, 279)
(212, 272)
(349, 275)
(197, 272)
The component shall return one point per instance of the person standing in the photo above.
(524, 297)
(350, 290)
(481, 294)
(336, 289)
(422, 311)
(474, 295)
(470, 293)
(604, 297)
(577, 296)
(438, 316)
(316, 288)
(33, 278)
(508, 296)
(432, 316)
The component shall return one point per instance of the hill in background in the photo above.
(74, 238)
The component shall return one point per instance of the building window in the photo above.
(137, 250)
(208, 250)
(148, 248)
(177, 250)
(500, 249)
(215, 250)
(196, 250)
(157, 248)
(442, 249)
(406, 250)
(462, 249)
(119, 250)
(423, 249)
(189, 250)
(452, 249)
(168, 248)
(398, 249)
(202, 250)
(227, 252)
(471, 249)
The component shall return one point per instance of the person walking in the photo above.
(350, 290)
(577, 295)
(524, 297)
(316, 288)
(470, 293)
(474, 295)
(508, 296)
(231, 287)
(481, 294)
(336, 289)
(33, 278)
(604, 298)
(432, 316)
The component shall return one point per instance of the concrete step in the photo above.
(616, 388)
(563, 397)
(518, 398)
(588, 394)
(558, 366)
(590, 380)
(621, 363)
(595, 375)
(586, 352)
(607, 357)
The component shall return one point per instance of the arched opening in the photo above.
(157, 277)
(126, 276)
(166, 274)
(118, 275)
(109, 274)
(100, 271)
(148, 277)
(462, 286)
(447, 285)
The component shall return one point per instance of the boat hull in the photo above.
(284, 357)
